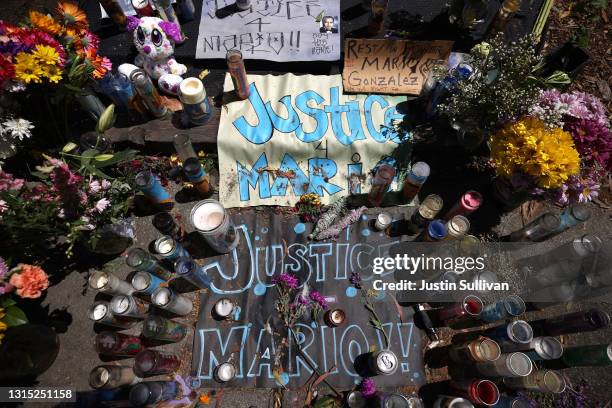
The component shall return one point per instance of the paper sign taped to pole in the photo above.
(296, 135)
(390, 66)
(274, 30)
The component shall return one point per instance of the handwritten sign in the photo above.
(254, 341)
(390, 66)
(275, 30)
(300, 134)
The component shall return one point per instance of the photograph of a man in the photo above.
(328, 25)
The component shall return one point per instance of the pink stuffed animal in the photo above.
(154, 39)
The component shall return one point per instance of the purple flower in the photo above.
(101, 205)
(3, 267)
(355, 279)
(303, 300)
(367, 387)
(318, 298)
(94, 187)
(286, 279)
(593, 141)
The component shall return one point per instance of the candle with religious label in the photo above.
(118, 344)
(108, 283)
(427, 211)
(540, 229)
(435, 231)
(480, 392)
(153, 362)
(149, 393)
(594, 355)
(416, 177)
(540, 348)
(507, 365)
(149, 184)
(457, 227)
(115, 12)
(107, 377)
(540, 381)
(124, 305)
(194, 171)
(150, 97)
(167, 299)
(141, 260)
(481, 349)
(577, 322)
(169, 248)
(380, 184)
(160, 328)
(235, 66)
(211, 220)
(165, 223)
(457, 315)
(145, 283)
(383, 362)
(189, 270)
(467, 204)
(143, 8)
(224, 372)
(195, 102)
(100, 312)
(506, 308)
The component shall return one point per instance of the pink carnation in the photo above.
(29, 281)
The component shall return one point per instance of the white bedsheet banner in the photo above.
(275, 30)
(301, 134)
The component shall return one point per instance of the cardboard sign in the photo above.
(274, 30)
(300, 134)
(253, 339)
(390, 66)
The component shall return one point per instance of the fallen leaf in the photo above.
(564, 14)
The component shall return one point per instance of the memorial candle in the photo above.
(141, 260)
(383, 220)
(427, 211)
(108, 283)
(224, 372)
(481, 349)
(149, 184)
(165, 223)
(540, 381)
(518, 331)
(511, 306)
(416, 177)
(167, 13)
(577, 322)
(507, 365)
(380, 184)
(540, 229)
(169, 248)
(153, 362)
(118, 344)
(194, 171)
(149, 393)
(124, 305)
(435, 231)
(143, 8)
(189, 270)
(235, 65)
(111, 376)
(458, 314)
(574, 215)
(160, 328)
(115, 12)
(150, 97)
(167, 299)
(211, 220)
(481, 392)
(467, 204)
(540, 348)
(457, 227)
(223, 308)
(100, 312)
(447, 401)
(145, 283)
(595, 355)
(195, 102)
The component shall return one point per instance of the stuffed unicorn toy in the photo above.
(154, 39)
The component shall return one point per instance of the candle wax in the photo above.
(140, 281)
(208, 217)
(162, 297)
(165, 246)
(99, 312)
(102, 281)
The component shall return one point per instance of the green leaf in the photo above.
(6, 302)
(14, 316)
(118, 157)
(319, 16)
(87, 156)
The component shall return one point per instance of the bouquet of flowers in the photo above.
(585, 118)
(293, 304)
(64, 205)
(50, 50)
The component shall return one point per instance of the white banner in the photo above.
(301, 134)
(274, 30)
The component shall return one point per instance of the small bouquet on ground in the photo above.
(294, 303)
(309, 207)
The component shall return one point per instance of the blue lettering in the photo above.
(281, 124)
(321, 170)
(367, 111)
(353, 116)
(262, 132)
(319, 115)
(257, 174)
(299, 181)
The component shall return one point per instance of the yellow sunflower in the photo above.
(46, 55)
(26, 68)
(45, 23)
